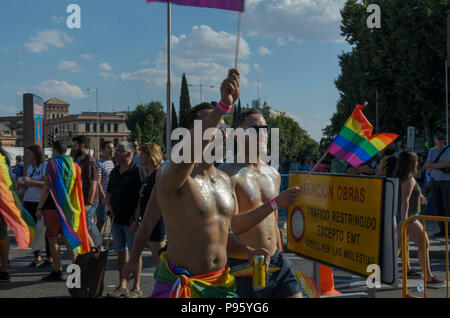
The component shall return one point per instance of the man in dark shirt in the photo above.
(122, 198)
(89, 181)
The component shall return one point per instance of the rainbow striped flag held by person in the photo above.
(65, 188)
(18, 219)
(233, 5)
(355, 143)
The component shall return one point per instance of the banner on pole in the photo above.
(233, 5)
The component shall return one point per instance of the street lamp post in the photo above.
(98, 126)
(201, 90)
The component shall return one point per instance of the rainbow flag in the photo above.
(307, 285)
(233, 5)
(65, 188)
(18, 219)
(355, 143)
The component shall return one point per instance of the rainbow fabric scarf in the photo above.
(65, 188)
(18, 219)
(176, 282)
(355, 143)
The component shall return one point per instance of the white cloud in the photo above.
(70, 66)
(7, 109)
(316, 20)
(281, 42)
(264, 51)
(105, 66)
(20, 63)
(205, 55)
(44, 39)
(204, 43)
(256, 66)
(144, 63)
(57, 19)
(59, 88)
(87, 56)
(106, 75)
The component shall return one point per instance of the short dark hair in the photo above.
(60, 146)
(245, 114)
(106, 142)
(81, 139)
(187, 121)
(37, 152)
(19, 157)
(389, 151)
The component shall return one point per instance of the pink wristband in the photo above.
(273, 204)
(224, 107)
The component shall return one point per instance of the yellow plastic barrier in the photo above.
(424, 219)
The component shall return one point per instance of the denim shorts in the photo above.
(122, 237)
(101, 212)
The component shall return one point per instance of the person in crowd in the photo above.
(151, 159)
(137, 152)
(34, 182)
(104, 170)
(382, 167)
(410, 200)
(295, 165)
(47, 209)
(4, 244)
(122, 199)
(18, 168)
(256, 188)
(306, 165)
(338, 166)
(285, 166)
(367, 168)
(89, 180)
(438, 162)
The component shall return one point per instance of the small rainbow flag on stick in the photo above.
(355, 143)
(233, 5)
(18, 219)
(65, 187)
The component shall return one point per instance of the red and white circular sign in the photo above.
(297, 224)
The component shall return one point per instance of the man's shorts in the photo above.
(280, 284)
(52, 224)
(122, 237)
(3, 229)
(159, 232)
(101, 213)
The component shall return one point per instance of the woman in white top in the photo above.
(34, 182)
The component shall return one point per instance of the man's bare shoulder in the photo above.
(268, 170)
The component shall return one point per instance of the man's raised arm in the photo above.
(176, 174)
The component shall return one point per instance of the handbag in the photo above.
(39, 236)
(444, 170)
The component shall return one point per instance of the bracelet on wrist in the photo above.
(273, 204)
(224, 107)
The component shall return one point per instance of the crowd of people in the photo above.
(199, 219)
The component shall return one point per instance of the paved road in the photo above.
(26, 282)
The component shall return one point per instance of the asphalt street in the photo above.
(27, 282)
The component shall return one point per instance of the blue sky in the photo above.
(291, 45)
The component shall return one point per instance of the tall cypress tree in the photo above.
(174, 118)
(185, 100)
(239, 106)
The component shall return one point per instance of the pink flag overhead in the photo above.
(234, 5)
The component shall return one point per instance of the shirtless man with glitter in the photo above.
(197, 204)
(256, 186)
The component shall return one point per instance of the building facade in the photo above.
(15, 124)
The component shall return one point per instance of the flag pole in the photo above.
(169, 87)
(238, 40)
(314, 168)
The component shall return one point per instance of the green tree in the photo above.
(148, 122)
(185, 100)
(294, 140)
(404, 61)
